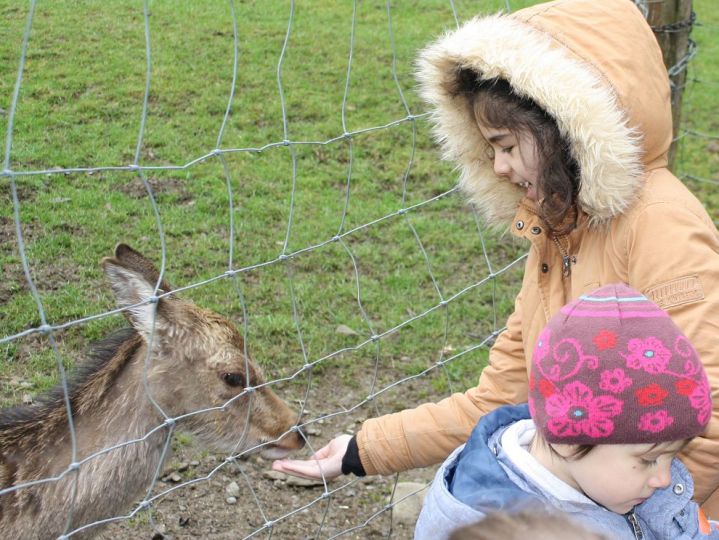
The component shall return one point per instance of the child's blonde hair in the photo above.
(537, 524)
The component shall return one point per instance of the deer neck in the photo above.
(117, 458)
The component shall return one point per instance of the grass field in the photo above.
(360, 155)
(80, 106)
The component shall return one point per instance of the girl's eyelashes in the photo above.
(648, 462)
(508, 149)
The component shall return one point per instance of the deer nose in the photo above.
(293, 440)
(301, 438)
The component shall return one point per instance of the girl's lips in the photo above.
(529, 186)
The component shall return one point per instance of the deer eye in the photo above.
(233, 379)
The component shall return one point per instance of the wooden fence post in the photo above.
(672, 22)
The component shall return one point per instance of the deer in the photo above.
(177, 366)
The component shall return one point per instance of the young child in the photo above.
(615, 392)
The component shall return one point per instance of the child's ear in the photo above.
(565, 451)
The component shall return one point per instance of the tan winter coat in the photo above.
(596, 68)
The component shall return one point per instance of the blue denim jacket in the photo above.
(478, 478)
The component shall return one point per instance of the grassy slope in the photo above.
(80, 106)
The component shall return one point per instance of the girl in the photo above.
(615, 391)
(559, 117)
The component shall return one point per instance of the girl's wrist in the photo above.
(351, 463)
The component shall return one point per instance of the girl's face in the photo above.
(515, 158)
(617, 476)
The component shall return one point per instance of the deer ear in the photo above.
(133, 279)
(134, 260)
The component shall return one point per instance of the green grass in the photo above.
(698, 154)
(80, 105)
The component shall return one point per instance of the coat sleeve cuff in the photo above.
(351, 462)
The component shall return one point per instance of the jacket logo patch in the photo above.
(678, 291)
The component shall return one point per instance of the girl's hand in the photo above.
(326, 462)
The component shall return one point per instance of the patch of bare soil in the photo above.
(135, 189)
(206, 497)
(11, 269)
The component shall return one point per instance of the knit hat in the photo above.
(612, 368)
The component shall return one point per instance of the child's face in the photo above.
(515, 158)
(619, 476)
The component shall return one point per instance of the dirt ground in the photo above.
(198, 485)
(355, 508)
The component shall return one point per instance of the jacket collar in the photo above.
(477, 465)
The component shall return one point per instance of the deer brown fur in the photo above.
(197, 361)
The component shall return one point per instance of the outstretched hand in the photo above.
(326, 462)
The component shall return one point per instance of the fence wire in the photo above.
(306, 369)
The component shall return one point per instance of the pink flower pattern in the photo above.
(615, 381)
(575, 411)
(648, 354)
(700, 399)
(561, 360)
(655, 421)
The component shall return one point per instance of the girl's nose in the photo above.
(501, 165)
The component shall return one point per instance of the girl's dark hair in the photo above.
(495, 103)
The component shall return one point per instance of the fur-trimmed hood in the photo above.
(594, 65)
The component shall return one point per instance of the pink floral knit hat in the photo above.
(612, 368)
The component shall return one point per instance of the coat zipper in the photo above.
(634, 523)
(566, 259)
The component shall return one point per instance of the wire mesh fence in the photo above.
(274, 163)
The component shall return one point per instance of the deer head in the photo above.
(196, 365)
